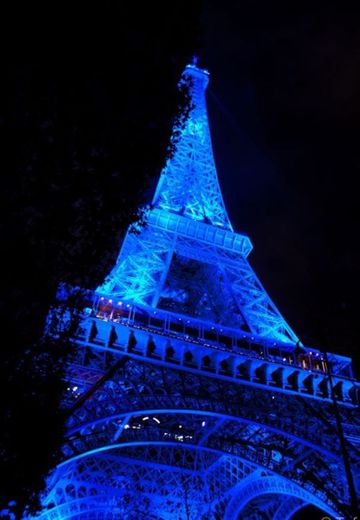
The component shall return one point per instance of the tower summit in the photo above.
(188, 184)
(188, 395)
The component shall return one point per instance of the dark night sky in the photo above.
(284, 106)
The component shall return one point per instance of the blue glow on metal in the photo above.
(159, 411)
(190, 395)
(188, 231)
(188, 184)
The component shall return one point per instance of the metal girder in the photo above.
(188, 184)
(168, 424)
(188, 217)
(258, 438)
(139, 269)
(288, 508)
(268, 450)
(157, 485)
(143, 268)
(117, 480)
(257, 485)
(141, 386)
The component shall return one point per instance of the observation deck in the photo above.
(191, 344)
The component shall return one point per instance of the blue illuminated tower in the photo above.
(190, 397)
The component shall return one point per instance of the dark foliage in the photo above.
(86, 118)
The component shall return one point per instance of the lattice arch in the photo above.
(156, 478)
(257, 485)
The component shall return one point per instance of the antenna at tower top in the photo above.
(195, 60)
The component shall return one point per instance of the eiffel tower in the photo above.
(190, 397)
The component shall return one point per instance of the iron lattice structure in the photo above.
(189, 396)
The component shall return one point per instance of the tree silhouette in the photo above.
(89, 125)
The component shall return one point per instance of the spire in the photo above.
(188, 184)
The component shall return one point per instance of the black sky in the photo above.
(284, 104)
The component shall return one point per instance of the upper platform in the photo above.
(189, 184)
